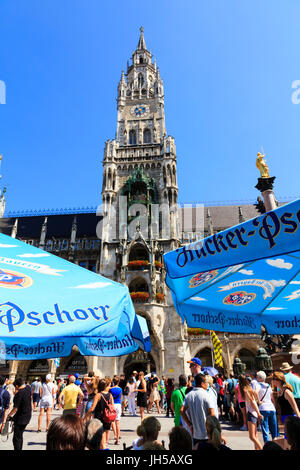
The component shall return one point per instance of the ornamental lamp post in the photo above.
(263, 361)
(238, 367)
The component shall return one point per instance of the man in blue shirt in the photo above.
(4, 402)
(293, 380)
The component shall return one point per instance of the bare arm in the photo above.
(292, 402)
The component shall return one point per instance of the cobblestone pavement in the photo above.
(236, 439)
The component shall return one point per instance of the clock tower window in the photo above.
(147, 136)
(132, 137)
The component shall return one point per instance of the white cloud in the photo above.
(294, 295)
(31, 255)
(275, 308)
(279, 263)
(248, 272)
(198, 299)
(3, 245)
(278, 283)
(93, 285)
(295, 282)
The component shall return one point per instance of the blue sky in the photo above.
(227, 67)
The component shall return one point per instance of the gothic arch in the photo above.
(138, 284)
(202, 351)
(138, 251)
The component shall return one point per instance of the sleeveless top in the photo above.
(285, 407)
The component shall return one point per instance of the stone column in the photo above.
(265, 186)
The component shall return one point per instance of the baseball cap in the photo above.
(195, 360)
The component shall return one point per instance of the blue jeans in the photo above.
(269, 424)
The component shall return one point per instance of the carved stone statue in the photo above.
(262, 166)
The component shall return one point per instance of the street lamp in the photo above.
(263, 361)
(238, 367)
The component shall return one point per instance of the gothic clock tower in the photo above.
(139, 196)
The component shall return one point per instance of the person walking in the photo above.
(169, 390)
(21, 412)
(266, 407)
(35, 392)
(47, 392)
(91, 383)
(101, 400)
(285, 398)
(123, 385)
(117, 392)
(196, 407)
(154, 394)
(195, 366)
(141, 399)
(4, 402)
(293, 380)
(239, 402)
(177, 399)
(253, 413)
(131, 396)
(69, 397)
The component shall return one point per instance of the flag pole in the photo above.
(212, 350)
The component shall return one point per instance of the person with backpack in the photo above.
(4, 402)
(102, 408)
(177, 399)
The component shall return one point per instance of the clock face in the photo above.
(140, 110)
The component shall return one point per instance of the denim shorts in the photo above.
(251, 418)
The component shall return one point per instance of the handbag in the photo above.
(7, 429)
(109, 413)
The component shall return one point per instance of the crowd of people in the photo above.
(92, 408)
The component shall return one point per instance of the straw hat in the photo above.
(285, 366)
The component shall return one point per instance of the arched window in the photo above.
(132, 137)
(138, 285)
(141, 60)
(140, 79)
(147, 136)
(248, 358)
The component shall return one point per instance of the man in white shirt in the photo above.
(199, 405)
(267, 407)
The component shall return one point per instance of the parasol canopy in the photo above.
(241, 278)
(48, 304)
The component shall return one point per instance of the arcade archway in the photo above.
(139, 361)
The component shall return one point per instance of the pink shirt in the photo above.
(240, 399)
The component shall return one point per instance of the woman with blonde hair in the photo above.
(253, 413)
(148, 431)
(214, 433)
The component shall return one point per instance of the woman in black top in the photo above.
(99, 404)
(141, 399)
(285, 399)
(21, 412)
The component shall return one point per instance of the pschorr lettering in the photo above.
(11, 315)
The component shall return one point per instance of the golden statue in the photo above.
(262, 166)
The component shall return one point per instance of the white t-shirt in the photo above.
(265, 392)
(47, 398)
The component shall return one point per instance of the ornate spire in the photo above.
(142, 44)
